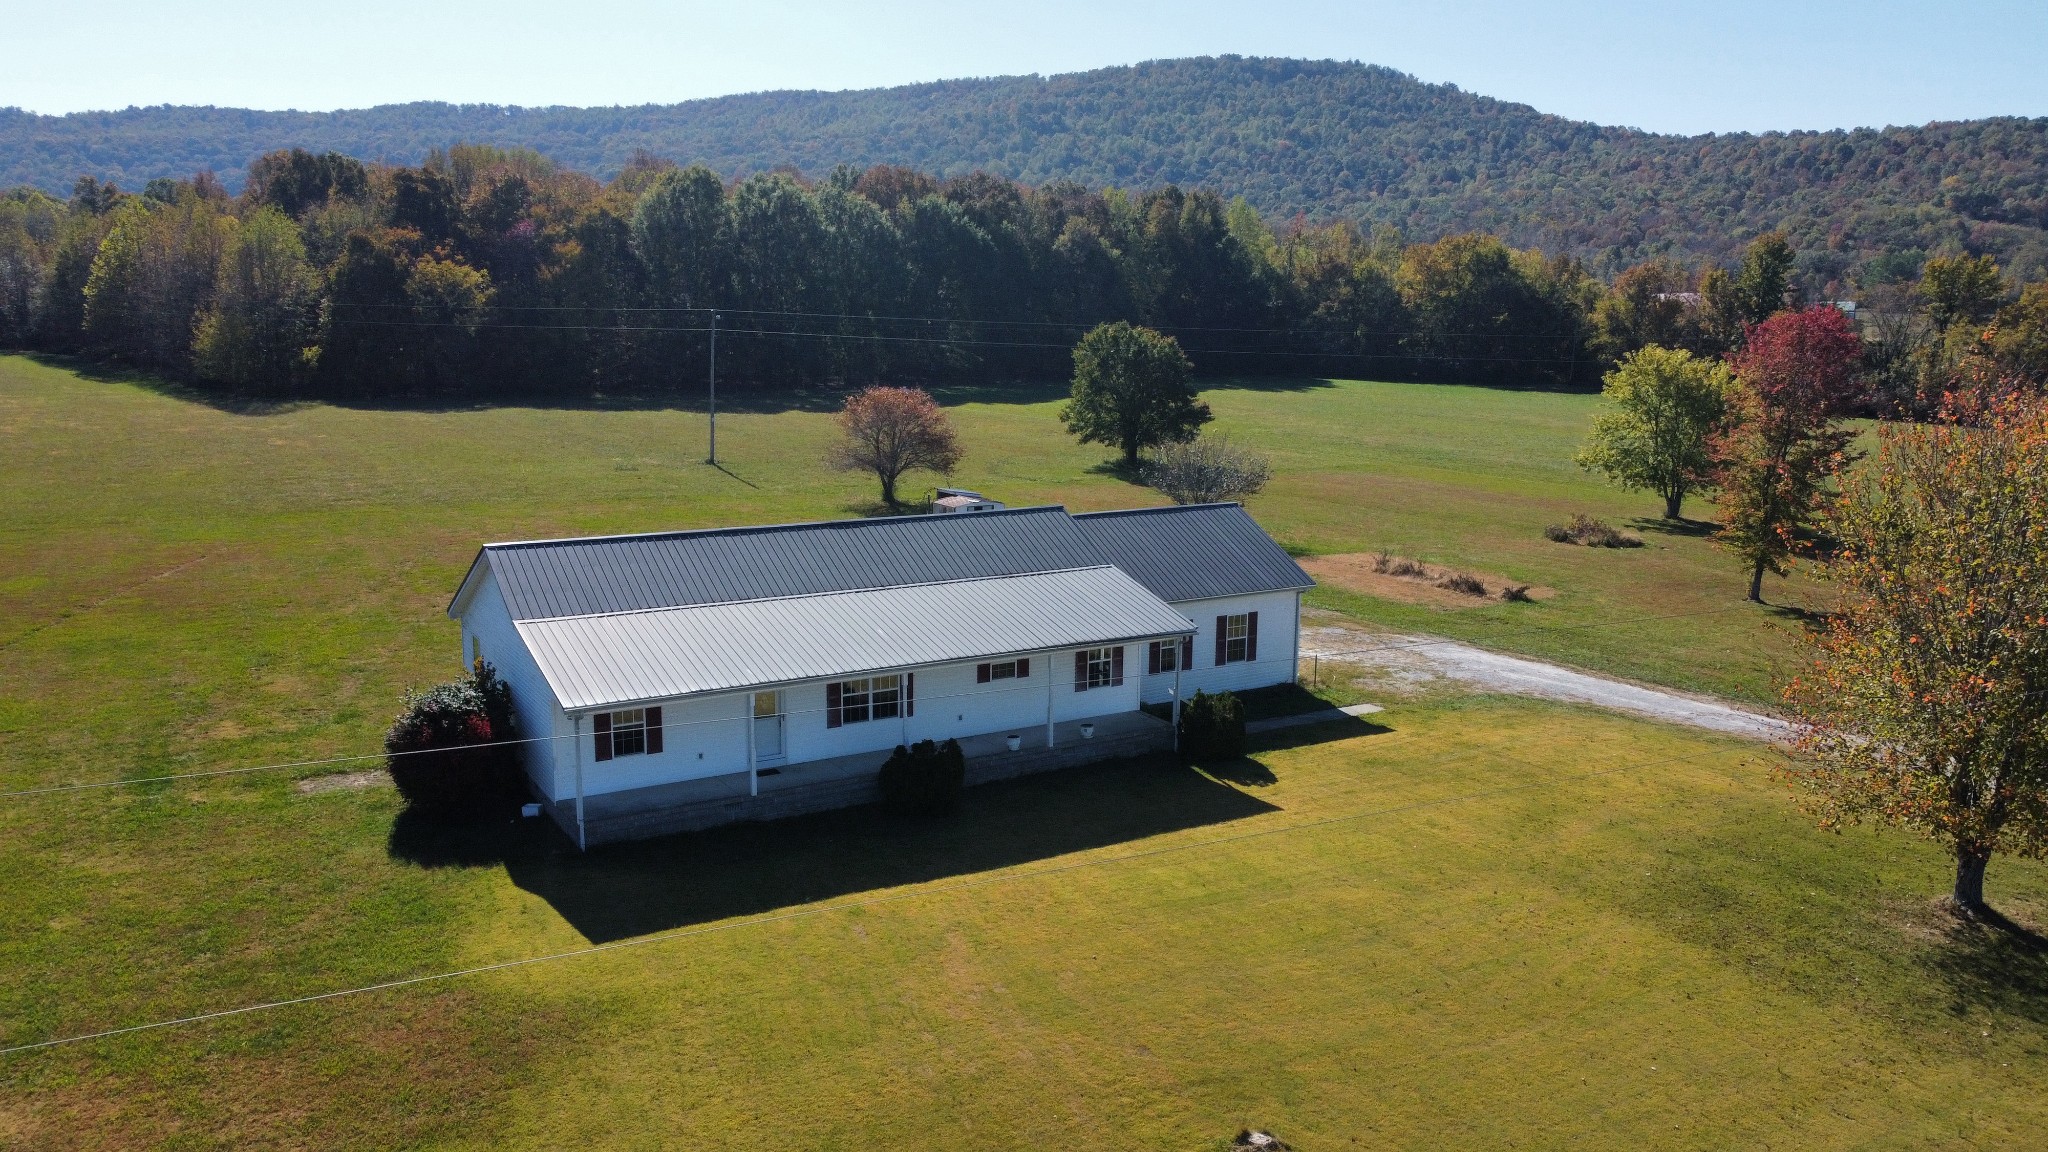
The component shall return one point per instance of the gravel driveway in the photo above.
(1422, 660)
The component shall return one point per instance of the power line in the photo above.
(820, 910)
(948, 341)
(1420, 642)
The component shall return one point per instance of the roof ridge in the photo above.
(752, 529)
(823, 595)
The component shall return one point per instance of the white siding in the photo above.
(488, 621)
(1279, 643)
(707, 736)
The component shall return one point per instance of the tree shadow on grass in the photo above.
(1694, 529)
(633, 889)
(1992, 963)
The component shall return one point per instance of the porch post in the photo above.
(753, 758)
(1052, 671)
(582, 844)
(1176, 695)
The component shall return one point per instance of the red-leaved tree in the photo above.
(1796, 377)
(889, 431)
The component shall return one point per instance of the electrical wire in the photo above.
(1422, 642)
(985, 880)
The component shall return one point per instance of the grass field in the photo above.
(1482, 923)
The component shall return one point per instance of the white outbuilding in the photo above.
(679, 680)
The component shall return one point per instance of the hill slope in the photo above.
(1321, 138)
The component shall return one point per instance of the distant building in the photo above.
(680, 680)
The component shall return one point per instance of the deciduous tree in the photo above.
(890, 431)
(1131, 391)
(261, 321)
(1796, 376)
(1207, 470)
(1926, 704)
(1656, 432)
(1960, 290)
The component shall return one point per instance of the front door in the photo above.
(768, 722)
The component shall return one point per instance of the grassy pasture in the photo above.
(1476, 923)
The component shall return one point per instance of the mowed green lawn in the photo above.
(1484, 923)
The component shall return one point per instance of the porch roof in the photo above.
(621, 658)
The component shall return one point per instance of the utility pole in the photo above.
(714, 390)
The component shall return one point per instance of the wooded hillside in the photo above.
(1322, 139)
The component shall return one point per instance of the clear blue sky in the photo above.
(1708, 65)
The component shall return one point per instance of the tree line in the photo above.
(493, 273)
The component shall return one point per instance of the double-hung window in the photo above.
(869, 698)
(1237, 638)
(1098, 668)
(627, 732)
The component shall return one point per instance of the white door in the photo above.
(768, 723)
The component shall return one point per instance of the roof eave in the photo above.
(471, 581)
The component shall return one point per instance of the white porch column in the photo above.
(753, 757)
(1176, 694)
(1051, 674)
(576, 728)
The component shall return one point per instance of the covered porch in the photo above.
(837, 782)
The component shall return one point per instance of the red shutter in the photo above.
(981, 673)
(1116, 665)
(1187, 653)
(653, 731)
(1081, 671)
(832, 714)
(1152, 658)
(1024, 669)
(1251, 636)
(910, 693)
(601, 724)
(1222, 625)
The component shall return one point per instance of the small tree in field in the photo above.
(1796, 377)
(1656, 433)
(889, 431)
(1927, 702)
(1207, 470)
(1131, 391)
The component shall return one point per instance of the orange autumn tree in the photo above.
(889, 431)
(1926, 705)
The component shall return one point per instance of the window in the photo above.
(1169, 655)
(1237, 638)
(1002, 670)
(628, 732)
(869, 698)
(1098, 668)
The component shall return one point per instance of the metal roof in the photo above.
(630, 657)
(549, 578)
(1193, 551)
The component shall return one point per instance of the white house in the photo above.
(684, 679)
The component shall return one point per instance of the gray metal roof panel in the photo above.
(632, 657)
(1194, 551)
(551, 578)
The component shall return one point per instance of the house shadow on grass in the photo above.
(625, 890)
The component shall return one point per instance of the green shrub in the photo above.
(432, 754)
(1212, 726)
(924, 779)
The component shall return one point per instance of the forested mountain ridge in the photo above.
(1325, 140)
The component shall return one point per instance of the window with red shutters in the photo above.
(832, 712)
(653, 731)
(601, 728)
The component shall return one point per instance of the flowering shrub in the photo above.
(433, 753)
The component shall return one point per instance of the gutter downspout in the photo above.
(1297, 639)
(582, 842)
